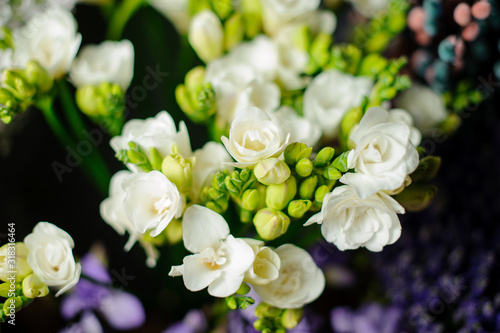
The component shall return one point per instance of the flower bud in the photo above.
(195, 78)
(291, 317)
(34, 287)
(307, 187)
(271, 171)
(297, 208)
(279, 195)
(351, 118)
(174, 231)
(38, 76)
(234, 31)
(251, 11)
(416, 196)
(324, 157)
(264, 310)
(304, 167)
(5, 289)
(296, 151)
(320, 48)
(90, 101)
(12, 305)
(250, 199)
(14, 258)
(18, 84)
(178, 171)
(270, 223)
(332, 173)
(206, 35)
(8, 105)
(320, 193)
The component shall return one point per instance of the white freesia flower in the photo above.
(206, 35)
(158, 132)
(107, 62)
(209, 159)
(350, 222)
(330, 95)
(426, 107)
(369, 8)
(255, 136)
(301, 129)
(51, 256)
(383, 157)
(177, 11)
(403, 117)
(277, 13)
(151, 201)
(300, 281)
(50, 38)
(113, 213)
(266, 265)
(219, 261)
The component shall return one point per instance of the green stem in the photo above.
(121, 16)
(77, 125)
(46, 107)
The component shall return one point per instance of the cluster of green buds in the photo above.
(271, 319)
(239, 300)
(19, 285)
(21, 88)
(104, 104)
(375, 35)
(196, 97)
(317, 45)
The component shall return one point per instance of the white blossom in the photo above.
(206, 35)
(301, 129)
(254, 136)
(50, 38)
(349, 221)
(300, 281)
(277, 13)
(383, 155)
(266, 265)
(219, 261)
(51, 257)
(107, 62)
(330, 95)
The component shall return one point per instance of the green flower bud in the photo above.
(178, 171)
(231, 302)
(89, 101)
(296, 151)
(332, 173)
(324, 157)
(340, 163)
(155, 158)
(12, 305)
(195, 78)
(243, 290)
(307, 187)
(320, 193)
(34, 287)
(5, 290)
(234, 31)
(297, 208)
(304, 167)
(416, 197)
(184, 100)
(18, 84)
(39, 77)
(14, 258)
(250, 199)
(372, 64)
(279, 195)
(427, 169)
(271, 171)
(302, 38)
(270, 223)
(251, 11)
(8, 105)
(451, 123)
(264, 310)
(320, 48)
(291, 317)
(351, 118)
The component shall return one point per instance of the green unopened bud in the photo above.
(307, 187)
(270, 223)
(264, 310)
(251, 11)
(39, 77)
(34, 287)
(320, 48)
(155, 158)
(416, 197)
(340, 163)
(263, 325)
(302, 38)
(372, 64)
(297, 208)
(279, 195)
(324, 157)
(195, 78)
(12, 305)
(138, 158)
(18, 252)
(6, 289)
(206, 35)
(304, 167)
(291, 318)
(451, 123)
(427, 169)
(296, 151)
(174, 231)
(90, 101)
(271, 171)
(243, 290)
(184, 100)
(178, 171)
(250, 199)
(18, 84)
(320, 193)
(351, 118)
(231, 302)
(332, 173)
(234, 31)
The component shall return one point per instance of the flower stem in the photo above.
(121, 16)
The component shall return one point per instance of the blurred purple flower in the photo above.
(193, 322)
(370, 318)
(122, 310)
